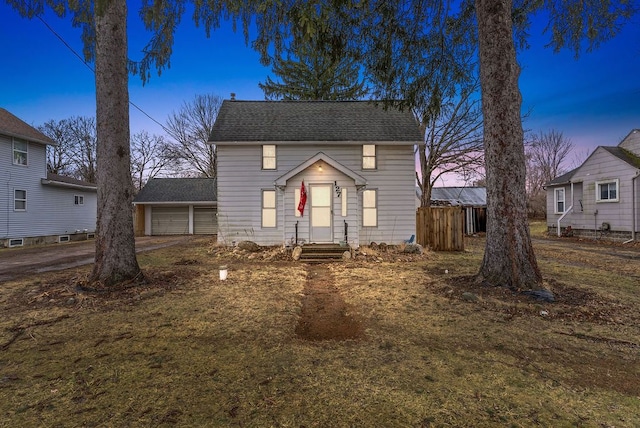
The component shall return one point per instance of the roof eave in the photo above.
(315, 142)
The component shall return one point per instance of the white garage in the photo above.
(169, 220)
(177, 206)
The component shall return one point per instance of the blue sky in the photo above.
(594, 100)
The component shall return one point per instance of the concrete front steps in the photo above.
(320, 253)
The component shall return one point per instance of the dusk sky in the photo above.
(594, 100)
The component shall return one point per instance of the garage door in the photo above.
(205, 221)
(169, 220)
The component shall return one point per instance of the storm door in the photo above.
(321, 213)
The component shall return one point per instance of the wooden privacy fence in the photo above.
(440, 228)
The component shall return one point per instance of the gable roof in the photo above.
(358, 179)
(330, 121)
(624, 155)
(167, 190)
(466, 196)
(562, 179)
(14, 127)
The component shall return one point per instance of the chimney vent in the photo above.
(233, 96)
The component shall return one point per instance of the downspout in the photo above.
(634, 219)
(566, 212)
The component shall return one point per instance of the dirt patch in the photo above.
(571, 303)
(325, 315)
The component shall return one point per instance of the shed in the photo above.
(473, 201)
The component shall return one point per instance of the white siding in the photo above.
(50, 210)
(241, 179)
(602, 166)
(632, 142)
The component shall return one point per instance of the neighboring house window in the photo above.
(269, 157)
(20, 200)
(79, 200)
(369, 156)
(268, 208)
(607, 191)
(370, 208)
(20, 152)
(559, 201)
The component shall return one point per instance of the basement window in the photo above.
(18, 242)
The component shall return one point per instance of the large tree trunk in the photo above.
(508, 258)
(115, 259)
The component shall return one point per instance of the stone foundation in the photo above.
(608, 235)
(49, 239)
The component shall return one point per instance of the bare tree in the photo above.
(452, 140)
(546, 155)
(190, 129)
(150, 155)
(60, 159)
(83, 130)
(75, 152)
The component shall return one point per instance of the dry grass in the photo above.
(191, 350)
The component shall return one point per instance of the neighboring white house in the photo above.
(356, 161)
(176, 206)
(601, 198)
(36, 206)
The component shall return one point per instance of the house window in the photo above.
(268, 208)
(343, 196)
(20, 152)
(369, 156)
(370, 208)
(269, 157)
(20, 200)
(79, 200)
(607, 191)
(559, 200)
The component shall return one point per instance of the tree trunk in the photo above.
(508, 258)
(115, 259)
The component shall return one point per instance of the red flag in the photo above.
(303, 199)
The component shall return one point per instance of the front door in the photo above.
(321, 213)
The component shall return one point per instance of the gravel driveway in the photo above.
(15, 262)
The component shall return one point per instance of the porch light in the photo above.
(320, 167)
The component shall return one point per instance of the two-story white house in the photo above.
(600, 198)
(36, 206)
(315, 172)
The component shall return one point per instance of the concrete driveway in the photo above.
(16, 262)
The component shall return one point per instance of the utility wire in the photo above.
(64, 42)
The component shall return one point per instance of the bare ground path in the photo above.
(325, 315)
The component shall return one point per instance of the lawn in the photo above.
(423, 345)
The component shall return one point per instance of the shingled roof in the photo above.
(14, 127)
(331, 121)
(159, 190)
(625, 155)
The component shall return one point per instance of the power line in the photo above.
(64, 42)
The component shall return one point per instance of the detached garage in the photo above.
(177, 206)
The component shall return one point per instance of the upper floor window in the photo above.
(20, 152)
(607, 191)
(269, 156)
(369, 156)
(559, 200)
(78, 200)
(20, 200)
